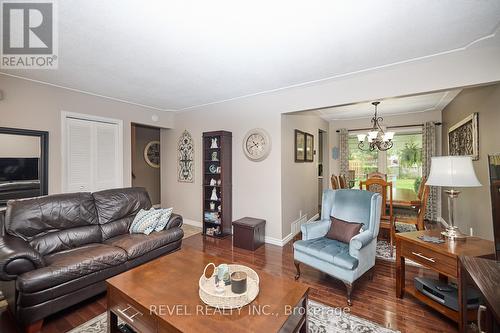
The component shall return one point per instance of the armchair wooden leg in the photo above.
(297, 267)
(348, 286)
(35, 327)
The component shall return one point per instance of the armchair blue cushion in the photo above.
(346, 262)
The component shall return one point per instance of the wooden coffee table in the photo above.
(162, 296)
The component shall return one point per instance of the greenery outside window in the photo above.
(404, 161)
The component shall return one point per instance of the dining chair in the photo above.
(335, 182)
(421, 188)
(379, 185)
(377, 174)
(419, 220)
(343, 182)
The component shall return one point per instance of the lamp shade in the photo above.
(452, 171)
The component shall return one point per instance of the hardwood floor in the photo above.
(373, 300)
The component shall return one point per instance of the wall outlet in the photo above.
(300, 213)
(471, 231)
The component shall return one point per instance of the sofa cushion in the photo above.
(342, 230)
(329, 250)
(166, 213)
(119, 203)
(71, 264)
(135, 245)
(145, 221)
(54, 223)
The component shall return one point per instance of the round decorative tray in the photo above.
(227, 299)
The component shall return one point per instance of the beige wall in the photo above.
(13, 145)
(473, 208)
(299, 181)
(256, 185)
(36, 106)
(145, 175)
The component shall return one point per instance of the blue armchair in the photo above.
(346, 262)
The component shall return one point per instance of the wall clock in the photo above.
(152, 154)
(257, 144)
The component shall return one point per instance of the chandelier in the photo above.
(376, 137)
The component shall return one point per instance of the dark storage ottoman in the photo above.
(249, 233)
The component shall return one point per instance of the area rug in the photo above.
(190, 230)
(383, 250)
(322, 319)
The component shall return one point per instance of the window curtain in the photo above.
(428, 151)
(344, 152)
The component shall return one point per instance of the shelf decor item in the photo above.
(217, 183)
(185, 156)
(211, 294)
(452, 172)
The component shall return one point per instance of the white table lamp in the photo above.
(452, 171)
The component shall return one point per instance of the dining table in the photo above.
(405, 198)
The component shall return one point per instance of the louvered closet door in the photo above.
(93, 157)
(78, 155)
(106, 164)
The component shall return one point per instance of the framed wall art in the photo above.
(300, 146)
(185, 156)
(463, 137)
(309, 148)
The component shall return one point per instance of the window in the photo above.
(404, 161)
(362, 162)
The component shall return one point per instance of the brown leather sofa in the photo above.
(58, 250)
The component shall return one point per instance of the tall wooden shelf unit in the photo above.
(217, 167)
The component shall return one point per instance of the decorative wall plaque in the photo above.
(185, 157)
(463, 138)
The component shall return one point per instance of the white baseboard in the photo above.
(272, 240)
(295, 230)
(192, 222)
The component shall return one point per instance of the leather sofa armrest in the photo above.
(175, 221)
(17, 257)
(315, 229)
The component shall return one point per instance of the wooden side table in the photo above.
(249, 233)
(442, 258)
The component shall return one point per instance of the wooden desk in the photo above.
(442, 258)
(162, 296)
(484, 274)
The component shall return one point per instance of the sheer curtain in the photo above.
(428, 151)
(344, 152)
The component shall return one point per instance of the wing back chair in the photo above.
(346, 262)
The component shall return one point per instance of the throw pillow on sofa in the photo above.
(342, 230)
(145, 221)
(164, 218)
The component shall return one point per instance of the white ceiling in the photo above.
(176, 55)
(392, 106)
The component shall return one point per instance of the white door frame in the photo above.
(82, 116)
